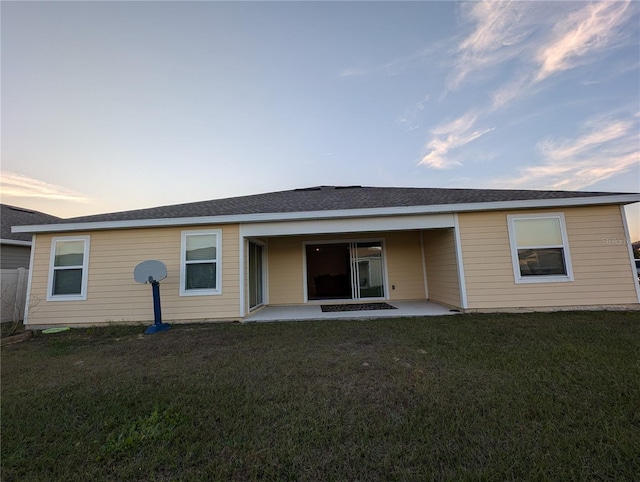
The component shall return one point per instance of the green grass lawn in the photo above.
(468, 397)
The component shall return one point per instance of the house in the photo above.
(15, 248)
(15, 252)
(470, 249)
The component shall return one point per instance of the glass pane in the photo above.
(69, 253)
(369, 263)
(67, 281)
(368, 250)
(200, 276)
(370, 277)
(328, 271)
(538, 232)
(255, 275)
(536, 262)
(201, 246)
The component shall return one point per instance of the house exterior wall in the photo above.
(404, 266)
(403, 260)
(285, 272)
(596, 242)
(113, 295)
(602, 275)
(442, 266)
(13, 257)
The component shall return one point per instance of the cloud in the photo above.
(538, 43)
(602, 133)
(584, 32)
(608, 147)
(355, 72)
(451, 136)
(395, 66)
(500, 33)
(389, 68)
(18, 185)
(513, 89)
(411, 114)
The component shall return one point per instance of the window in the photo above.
(68, 269)
(539, 248)
(200, 268)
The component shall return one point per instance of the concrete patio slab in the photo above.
(314, 312)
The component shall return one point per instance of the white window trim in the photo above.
(218, 262)
(519, 279)
(85, 269)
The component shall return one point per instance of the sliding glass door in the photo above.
(345, 271)
(256, 275)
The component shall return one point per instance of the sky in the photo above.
(110, 106)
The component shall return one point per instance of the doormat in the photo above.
(357, 307)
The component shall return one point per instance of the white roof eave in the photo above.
(15, 242)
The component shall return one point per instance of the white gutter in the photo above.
(330, 214)
(15, 242)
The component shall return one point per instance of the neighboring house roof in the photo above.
(15, 216)
(335, 201)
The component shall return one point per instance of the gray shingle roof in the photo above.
(15, 216)
(324, 198)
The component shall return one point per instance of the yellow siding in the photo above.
(442, 266)
(404, 265)
(602, 275)
(285, 276)
(113, 295)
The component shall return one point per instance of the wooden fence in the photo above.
(13, 293)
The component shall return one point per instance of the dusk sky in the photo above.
(110, 106)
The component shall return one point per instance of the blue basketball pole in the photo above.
(157, 314)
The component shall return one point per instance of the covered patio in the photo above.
(314, 312)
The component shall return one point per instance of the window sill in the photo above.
(544, 279)
(201, 292)
(67, 298)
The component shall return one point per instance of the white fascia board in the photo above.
(334, 214)
(15, 242)
(352, 225)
